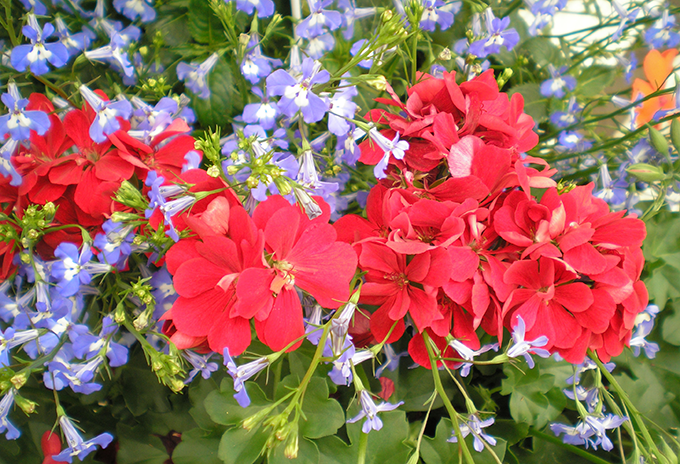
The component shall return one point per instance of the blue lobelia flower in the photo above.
(319, 45)
(73, 269)
(76, 445)
(342, 109)
(241, 374)
(469, 354)
(11, 338)
(265, 8)
(644, 323)
(133, 9)
(11, 432)
(255, 66)
(394, 147)
(36, 5)
(543, 11)
(567, 118)
(19, 122)
(558, 84)
(7, 169)
(87, 346)
(108, 112)
(195, 75)
(662, 33)
(590, 432)
(370, 411)
(319, 20)
(296, 93)
(522, 347)
(391, 360)
(74, 43)
(438, 12)
(613, 192)
(498, 35)
(263, 113)
(350, 14)
(200, 365)
(36, 55)
(474, 426)
(625, 17)
(115, 243)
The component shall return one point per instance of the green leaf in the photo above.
(541, 50)
(438, 450)
(533, 397)
(535, 104)
(143, 392)
(197, 447)
(223, 407)
(172, 23)
(670, 328)
(225, 99)
(204, 26)
(308, 453)
(594, 79)
(324, 415)
(240, 446)
(137, 447)
(415, 386)
(385, 446)
(198, 392)
(332, 450)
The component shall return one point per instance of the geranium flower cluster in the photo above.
(240, 268)
(456, 240)
(78, 158)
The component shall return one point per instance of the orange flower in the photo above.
(657, 66)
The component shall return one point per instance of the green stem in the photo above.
(363, 446)
(634, 413)
(578, 451)
(439, 387)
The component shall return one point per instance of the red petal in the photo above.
(284, 323)
(196, 316)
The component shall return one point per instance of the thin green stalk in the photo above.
(634, 413)
(363, 446)
(578, 451)
(439, 387)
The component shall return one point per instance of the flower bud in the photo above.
(646, 172)
(26, 405)
(292, 446)
(19, 380)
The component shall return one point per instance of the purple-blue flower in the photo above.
(469, 354)
(11, 338)
(394, 147)
(644, 323)
(76, 445)
(590, 432)
(318, 46)
(342, 110)
(613, 192)
(370, 411)
(474, 426)
(296, 93)
(567, 118)
(73, 269)
(662, 33)
(7, 169)
(318, 20)
(625, 17)
(391, 360)
(350, 14)
(265, 8)
(498, 35)
(255, 66)
(438, 12)
(88, 346)
(263, 113)
(133, 9)
(195, 75)
(11, 432)
(242, 373)
(115, 53)
(74, 43)
(36, 5)
(522, 347)
(36, 55)
(558, 85)
(19, 122)
(115, 243)
(199, 364)
(108, 112)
